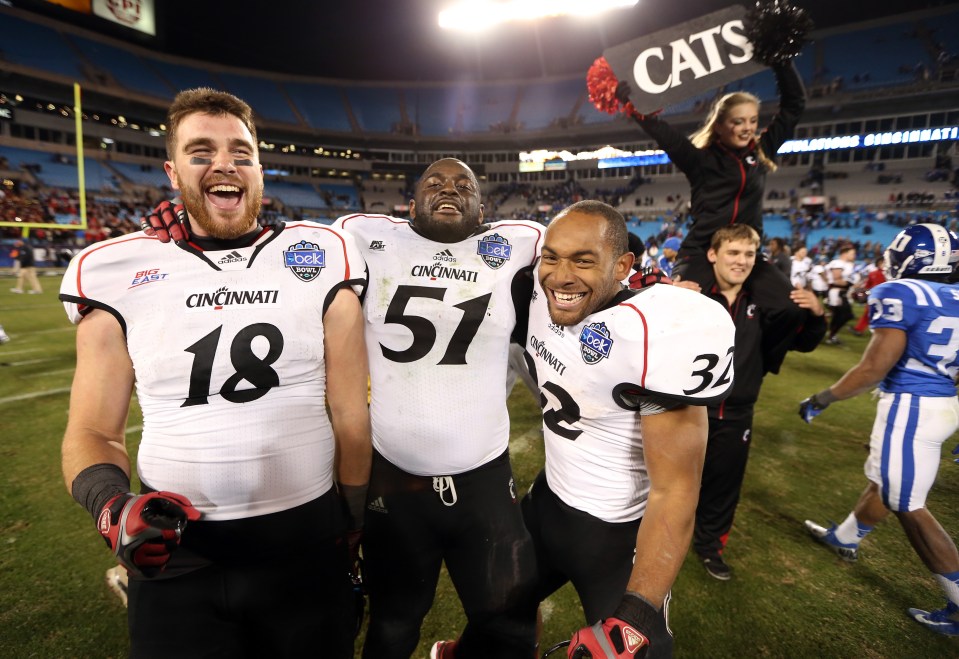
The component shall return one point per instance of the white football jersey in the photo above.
(662, 343)
(438, 322)
(228, 352)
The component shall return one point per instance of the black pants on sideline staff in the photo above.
(727, 452)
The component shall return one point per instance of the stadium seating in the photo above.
(262, 94)
(39, 47)
(320, 105)
(126, 68)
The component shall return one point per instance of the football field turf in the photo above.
(789, 597)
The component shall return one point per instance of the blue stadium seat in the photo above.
(320, 105)
(125, 67)
(297, 195)
(545, 102)
(377, 109)
(262, 94)
(39, 47)
(184, 77)
(154, 176)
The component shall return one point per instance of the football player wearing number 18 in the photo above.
(234, 339)
(444, 295)
(912, 357)
(624, 376)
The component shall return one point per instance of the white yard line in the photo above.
(40, 375)
(35, 394)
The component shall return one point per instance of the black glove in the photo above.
(167, 222)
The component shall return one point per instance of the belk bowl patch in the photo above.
(594, 342)
(495, 250)
(306, 260)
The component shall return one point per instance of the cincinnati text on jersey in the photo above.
(223, 297)
(539, 347)
(437, 271)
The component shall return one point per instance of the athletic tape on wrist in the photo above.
(97, 484)
(638, 612)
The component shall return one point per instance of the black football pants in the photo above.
(472, 521)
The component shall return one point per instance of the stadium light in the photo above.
(473, 15)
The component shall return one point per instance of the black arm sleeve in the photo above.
(676, 145)
(792, 102)
(522, 292)
(810, 334)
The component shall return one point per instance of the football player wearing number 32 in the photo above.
(912, 357)
(234, 339)
(625, 376)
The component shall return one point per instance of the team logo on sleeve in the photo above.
(306, 260)
(495, 250)
(594, 342)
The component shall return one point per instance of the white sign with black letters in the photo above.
(686, 60)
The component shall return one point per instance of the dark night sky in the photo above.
(400, 39)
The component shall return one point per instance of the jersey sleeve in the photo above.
(356, 274)
(892, 304)
(688, 346)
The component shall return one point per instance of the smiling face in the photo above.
(446, 203)
(579, 271)
(738, 126)
(217, 171)
(732, 262)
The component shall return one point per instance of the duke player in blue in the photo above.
(912, 356)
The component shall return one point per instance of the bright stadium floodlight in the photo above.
(474, 15)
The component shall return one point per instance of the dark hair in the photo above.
(617, 237)
(204, 100)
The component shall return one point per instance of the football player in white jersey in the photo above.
(912, 357)
(440, 309)
(625, 375)
(442, 303)
(236, 545)
(839, 273)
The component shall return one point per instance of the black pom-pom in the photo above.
(777, 30)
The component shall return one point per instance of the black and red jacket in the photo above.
(753, 357)
(726, 186)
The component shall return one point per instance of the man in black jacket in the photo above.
(733, 255)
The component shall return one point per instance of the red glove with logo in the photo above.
(630, 632)
(167, 222)
(648, 276)
(142, 530)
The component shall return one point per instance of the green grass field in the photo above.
(789, 597)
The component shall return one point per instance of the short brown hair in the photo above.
(205, 101)
(733, 232)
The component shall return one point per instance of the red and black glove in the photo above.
(648, 276)
(167, 222)
(143, 530)
(635, 629)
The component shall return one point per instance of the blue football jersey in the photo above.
(928, 312)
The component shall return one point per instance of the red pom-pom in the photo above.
(601, 84)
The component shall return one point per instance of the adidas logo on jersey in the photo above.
(232, 257)
(377, 505)
(445, 255)
(377, 246)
